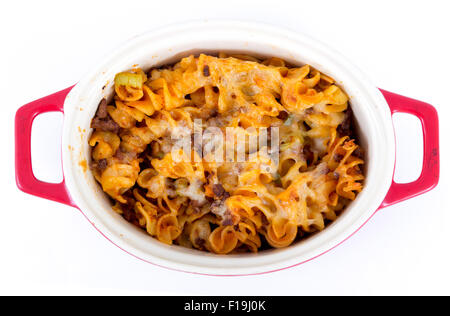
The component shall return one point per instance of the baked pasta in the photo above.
(227, 153)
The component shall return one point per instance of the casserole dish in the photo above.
(372, 110)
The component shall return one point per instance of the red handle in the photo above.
(25, 179)
(429, 177)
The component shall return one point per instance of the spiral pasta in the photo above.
(156, 153)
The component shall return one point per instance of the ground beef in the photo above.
(200, 242)
(125, 157)
(283, 115)
(103, 121)
(100, 165)
(358, 153)
(106, 125)
(128, 210)
(345, 128)
(101, 111)
(206, 71)
(227, 221)
(219, 208)
(218, 190)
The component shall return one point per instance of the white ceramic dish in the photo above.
(166, 45)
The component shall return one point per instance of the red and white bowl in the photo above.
(372, 108)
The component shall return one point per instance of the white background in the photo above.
(49, 248)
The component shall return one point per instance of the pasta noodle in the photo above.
(227, 154)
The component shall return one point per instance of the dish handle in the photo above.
(429, 176)
(25, 179)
